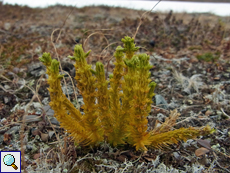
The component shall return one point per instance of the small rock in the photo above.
(188, 143)
(29, 147)
(3, 121)
(161, 117)
(1, 139)
(32, 118)
(177, 155)
(38, 49)
(67, 66)
(161, 102)
(50, 112)
(36, 105)
(16, 70)
(4, 129)
(54, 121)
(13, 130)
(219, 113)
(7, 87)
(36, 132)
(32, 129)
(41, 125)
(6, 100)
(67, 90)
(226, 75)
(152, 43)
(45, 101)
(36, 69)
(228, 89)
(46, 108)
(51, 133)
(77, 40)
(7, 26)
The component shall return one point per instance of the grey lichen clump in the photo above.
(98, 164)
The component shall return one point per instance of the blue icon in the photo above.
(9, 160)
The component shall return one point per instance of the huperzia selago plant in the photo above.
(117, 115)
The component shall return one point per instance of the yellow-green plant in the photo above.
(117, 115)
(209, 56)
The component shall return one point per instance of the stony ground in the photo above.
(190, 55)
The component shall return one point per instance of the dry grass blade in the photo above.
(59, 58)
(134, 36)
(100, 33)
(22, 134)
(106, 48)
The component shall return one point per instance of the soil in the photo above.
(190, 55)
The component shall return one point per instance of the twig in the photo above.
(219, 164)
(24, 121)
(51, 37)
(224, 113)
(22, 135)
(160, 107)
(189, 119)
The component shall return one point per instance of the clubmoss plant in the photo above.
(119, 115)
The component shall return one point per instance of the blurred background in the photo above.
(194, 6)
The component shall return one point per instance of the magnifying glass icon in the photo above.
(9, 160)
